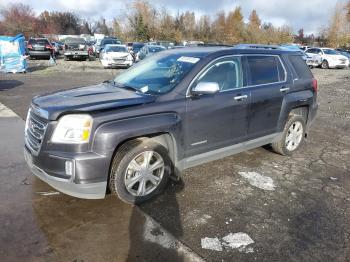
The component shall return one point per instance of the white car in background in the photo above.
(116, 56)
(330, 58)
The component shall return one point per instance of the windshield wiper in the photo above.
(126, 87)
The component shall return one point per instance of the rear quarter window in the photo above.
(265, 70)
(300, 67)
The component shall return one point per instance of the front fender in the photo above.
(110, 135)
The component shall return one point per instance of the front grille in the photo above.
(35, 131)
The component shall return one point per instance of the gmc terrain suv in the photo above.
(174, 110)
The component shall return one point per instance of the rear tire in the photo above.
(132, 177)
(292, 137)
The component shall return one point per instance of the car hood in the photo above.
(337, 57)
(86, 99)
(117, 54)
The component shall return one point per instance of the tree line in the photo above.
(145, 22)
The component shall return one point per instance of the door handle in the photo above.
(240, 98)
(284, 89)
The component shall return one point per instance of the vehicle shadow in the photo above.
(106, 229)
(150, 242)
(9, 84)
(36, 67)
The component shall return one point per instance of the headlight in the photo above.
(129, 58)
(73, 129)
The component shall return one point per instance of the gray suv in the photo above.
(172, 111)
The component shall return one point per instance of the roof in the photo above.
(108, 45)
(205, 51)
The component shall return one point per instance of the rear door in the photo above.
(267, 80)
(219, 120)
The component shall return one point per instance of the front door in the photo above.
(218, 120)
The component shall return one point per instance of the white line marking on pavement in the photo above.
(258, 180)
(155, 233)
(48, 193)
(6, 112)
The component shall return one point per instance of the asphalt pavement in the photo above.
(253, 206)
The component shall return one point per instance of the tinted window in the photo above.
(264, 70)
(38, 41)
(300, 67)
(226, 72)
(311, 50)
(330, 52)
(109, 41)
(155, 49)
(116, 49)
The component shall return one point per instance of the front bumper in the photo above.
(111, 63)
(39, 53)
(70, 185)
(338, 64)
(76, 53)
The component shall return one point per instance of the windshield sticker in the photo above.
(187, 59)
(144, 89)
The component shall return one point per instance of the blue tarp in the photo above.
(12, 54)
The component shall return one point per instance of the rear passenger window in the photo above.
(265, 70)
(300, 67)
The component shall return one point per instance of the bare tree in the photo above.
(19, 18)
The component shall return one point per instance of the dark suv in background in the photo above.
(177, 109)
(39, 48)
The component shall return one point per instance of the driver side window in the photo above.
(227, 72)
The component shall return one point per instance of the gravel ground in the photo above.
(254, 206)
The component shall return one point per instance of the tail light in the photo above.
(29, 46)
(314, 84)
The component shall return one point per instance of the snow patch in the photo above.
(238, 240)
(211, 243)
(258, 180)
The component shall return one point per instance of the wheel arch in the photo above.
(298, 103)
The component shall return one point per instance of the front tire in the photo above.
(292, 137)
(140, 170)
(325, 64)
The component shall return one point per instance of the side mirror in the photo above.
(205, 88)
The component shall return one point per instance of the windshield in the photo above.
(109, 41)
(330, 52)
(158, 74)
(155, 49)
(38, 41)
(137, 47)
(75, 41)
(116, 49)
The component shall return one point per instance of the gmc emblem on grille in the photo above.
(32, 125)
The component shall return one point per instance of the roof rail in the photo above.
(257, 46)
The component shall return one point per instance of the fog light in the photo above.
(69, 168)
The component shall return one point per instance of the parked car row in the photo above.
(113, 54)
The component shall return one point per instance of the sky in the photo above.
(311, 15)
